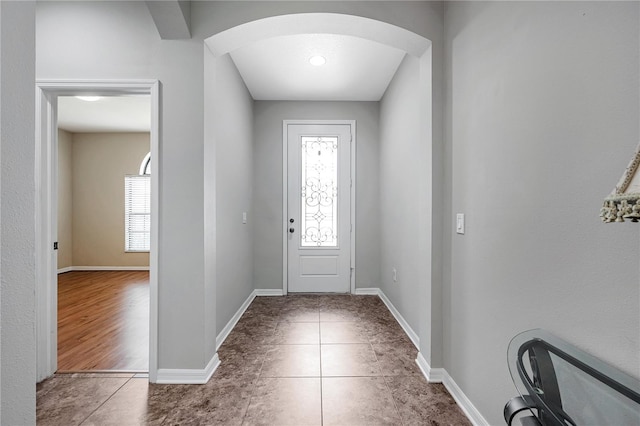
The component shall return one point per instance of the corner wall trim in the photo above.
(433, 375)
(103, 268)
(170, 376)
(440, 375)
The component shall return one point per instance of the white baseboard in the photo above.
(433, 375)
(440, 375)
(367, 291)
(463, 402)
(396, 314)
(222, 336)
(103, 268)
(268, 292)
(180, 376)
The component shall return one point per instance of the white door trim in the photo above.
(47, 92)
(285, 192)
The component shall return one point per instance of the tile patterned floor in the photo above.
(295, 360)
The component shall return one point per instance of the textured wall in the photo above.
(542, 119)
(17, 214)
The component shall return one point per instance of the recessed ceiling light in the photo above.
(317, 61)
(89, 98)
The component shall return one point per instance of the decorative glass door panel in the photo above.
(319, 194)
(318, 207)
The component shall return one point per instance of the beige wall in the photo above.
(65, 200)
(93, 165)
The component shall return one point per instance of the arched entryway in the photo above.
(414, 45)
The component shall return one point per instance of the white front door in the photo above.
(318, 214)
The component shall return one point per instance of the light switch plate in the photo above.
(460, 223)
(244, 217)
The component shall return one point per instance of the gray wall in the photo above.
(210, 88)
(17, 213)
(234, 191)
(118, 40)
(268, 117)
(542, 107)
(542, 119)
(399, 191)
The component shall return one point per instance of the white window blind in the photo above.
(137, 213)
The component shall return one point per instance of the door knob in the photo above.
(291, 230)
(291, 220)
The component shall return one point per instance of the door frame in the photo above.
(46, 173)
(285, 196)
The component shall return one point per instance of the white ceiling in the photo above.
(278, 68)
(109, 114)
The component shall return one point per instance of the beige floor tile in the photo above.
(72, 402)
(292, 361)
(397, 359)
(295, 314)
(356, 401)
(131, 405)
(222, 401)
(331, 314)
(343, 332)
(296, 333)
(420, 402)
(349, 360)
(275, 371)
(285, 401)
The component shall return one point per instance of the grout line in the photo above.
(106, 400)
(254, 387)
(395, 404)
(348, 343)
(386, 383)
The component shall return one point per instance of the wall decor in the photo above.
(624, 201)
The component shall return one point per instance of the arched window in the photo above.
(137, 209)
(145, 166)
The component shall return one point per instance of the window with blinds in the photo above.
(137, 212)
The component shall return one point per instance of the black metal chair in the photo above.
(560, 385)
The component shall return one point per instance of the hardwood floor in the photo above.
(103, 321)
